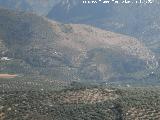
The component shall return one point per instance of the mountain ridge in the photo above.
(69, 51)
(137, 20)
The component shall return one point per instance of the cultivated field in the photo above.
(7, 76)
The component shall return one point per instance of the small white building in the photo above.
(5, 59)
(128, 85)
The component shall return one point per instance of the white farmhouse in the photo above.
(5, 59)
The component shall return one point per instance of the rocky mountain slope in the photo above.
(136, 20)
(36, 45)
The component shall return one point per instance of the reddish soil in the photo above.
(7, 76)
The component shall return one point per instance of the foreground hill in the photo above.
(36, 45)
(93, 103)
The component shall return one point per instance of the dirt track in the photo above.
(7, 76)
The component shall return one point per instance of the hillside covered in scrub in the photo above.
(89, 103)
(71, 70)
(137, 20)
(34, 45)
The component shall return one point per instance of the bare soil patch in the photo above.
(7, 76)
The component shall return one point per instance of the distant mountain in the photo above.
(41, 7)
(137, 20)
(37, 45)
(140, 21)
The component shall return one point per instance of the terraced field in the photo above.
(143, 114)
(90, 103)
(26, 83)
(49, 105)
(87, 96)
